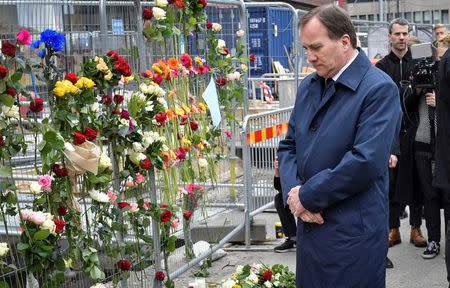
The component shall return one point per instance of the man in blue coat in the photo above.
(334, 159)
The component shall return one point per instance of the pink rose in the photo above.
(38, 218)
(146, 205)
(174, 223)
(134, 208)
(26, 214)
(112, 196)
(23, 37)
(46, 183)
(140, 179)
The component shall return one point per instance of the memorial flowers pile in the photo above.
(260, 276)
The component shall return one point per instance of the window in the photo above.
(390, 17)
(354, 17)
(436, 17)
(426, 17)
(417, 17)
(371, 17)
(362, 17)
(444, 17)
(408, 16)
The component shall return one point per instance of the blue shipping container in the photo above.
(271, 30)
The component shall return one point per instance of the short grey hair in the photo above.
(399, 21)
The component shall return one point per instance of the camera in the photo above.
(424, 73)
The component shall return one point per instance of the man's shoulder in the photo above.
(376, 75)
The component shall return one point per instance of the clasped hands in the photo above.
(299, 211)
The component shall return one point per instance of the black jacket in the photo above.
(400, 70)
(442, 175)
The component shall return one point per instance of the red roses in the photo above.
(146, 164)
(187, 215)
(72, 78)
(118, 99)
(122, 205)
(267, 275)
(160, 276)
(166, 216)
(106, 99)
(79, 138)
(59, 172)
(37, 105)
(161, 118)
(252, 57)
(194, 126)
(123, 265)
(147, 14)
(3, 72)
(59, 225)
(8, 49)
(221, 81)
(90, 134)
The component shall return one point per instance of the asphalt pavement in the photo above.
(410, 269)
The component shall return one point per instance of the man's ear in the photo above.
(345, 41)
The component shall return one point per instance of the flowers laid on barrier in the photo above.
(262, 276)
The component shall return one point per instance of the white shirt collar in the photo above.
(335, 77)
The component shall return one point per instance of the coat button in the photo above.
(303, 179)
(314, 127)
(308, 227)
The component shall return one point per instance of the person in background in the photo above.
(286, 217)
(442, 164)
(439, 31)
(398, 64)
(334, 158)
(412, 40)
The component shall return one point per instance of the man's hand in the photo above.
(299, 211)
(430, 99)
(393, 161)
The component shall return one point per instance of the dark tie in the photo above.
(327, 85)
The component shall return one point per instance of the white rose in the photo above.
(268, 284)
(108, 221)
(244, 67)
(11, 112)
(104, 161)
(99, 196)
(3, 249)
(137, 157)
(228, 283)
(253, 278)
(276, 276)
(149, 108)
(49, 225)
(94, 107)
(143, 88)
(165, 148)
(160, 92)
(151, 89)
(239, 269)
(202, 162)
(163, 102)
(35, 188)
(98, 285)
(240, 33)
(216, 27)
(221, 43)
(161, 3)
(159, 13)
(137, 147)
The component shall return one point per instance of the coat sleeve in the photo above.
(377, 128)
(287, 158)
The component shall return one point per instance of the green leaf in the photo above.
(41, 145)
(5, 171)
(11, 198)
(192, 21)
(22, 246)
(41, 235)
(7, 99)
(2, 86)
(16, 76)
(3, 284)
(40, 201)
(96, 273)
(50, 136)
(176, 31)
(171, 243)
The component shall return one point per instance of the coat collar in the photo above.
(407, 57)
(354, 73)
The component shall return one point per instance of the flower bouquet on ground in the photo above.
(260, 275)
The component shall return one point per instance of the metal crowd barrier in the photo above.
(260, 136)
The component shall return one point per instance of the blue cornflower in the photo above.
(42, 53)
(53, 39)
(35, 44)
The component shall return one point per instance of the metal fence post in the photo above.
(142, 63)
(247, 181)
(103, 26)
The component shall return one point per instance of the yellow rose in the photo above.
(179, 111)
(108, 76)
(188, 110)
(59, 91)
(186, 141)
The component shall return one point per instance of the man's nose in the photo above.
(311, 56)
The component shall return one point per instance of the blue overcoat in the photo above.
(337, 148)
